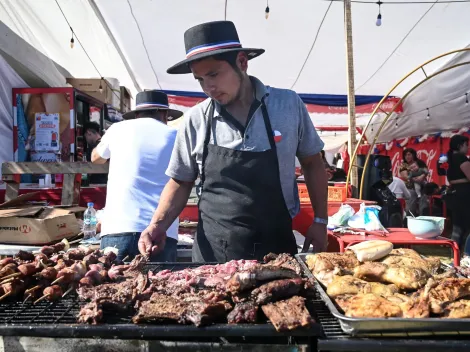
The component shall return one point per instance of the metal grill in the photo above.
(58, 319)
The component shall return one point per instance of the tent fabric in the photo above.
(148, 36)
(440, 104)
(8, 80)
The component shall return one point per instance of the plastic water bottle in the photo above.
(89, 222)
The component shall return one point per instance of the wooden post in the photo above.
(351, 94)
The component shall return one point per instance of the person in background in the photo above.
(398, 187)
(458, 195)
(328, 168)
(91, 132)
(336, 160)
(345, 158)
(242, 141)
(140, 150)
(409, 167)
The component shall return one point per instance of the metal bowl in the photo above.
(426, 227)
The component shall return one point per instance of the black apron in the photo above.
(242, 211)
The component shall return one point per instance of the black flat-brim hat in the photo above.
(209, 39)
(152, 100)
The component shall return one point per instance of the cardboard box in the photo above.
(91, 86)
(126, 100)
(38, 225)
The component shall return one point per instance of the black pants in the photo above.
(459, 204)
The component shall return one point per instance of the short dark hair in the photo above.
(93, 126)
(456, 142)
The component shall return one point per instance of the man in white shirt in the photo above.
(139, 150)
(398, 187)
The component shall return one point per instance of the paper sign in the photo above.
(47, 132)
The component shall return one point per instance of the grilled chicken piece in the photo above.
(350, 285)
(448, 291)
(247, 279)
(329, 261)
(405, 278)
(405, 252)
(431, 265)
(371, 306)
(458, 310)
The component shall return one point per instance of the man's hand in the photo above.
(152, 240)
(317, 237)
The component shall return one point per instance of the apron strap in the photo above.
(207, 138)
(267, 124)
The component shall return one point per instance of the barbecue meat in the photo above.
(431, 265)
(121, 294)
(91, 313)
(243, 313)
(329, 261)
(49, 273)
(276, 290)
(289, 314)
(342, 285)
(161, 308)
(458, 310)
(448, 291)
(371, 306)
(247, 279)
(405, 278)
(26, 256)
(283, 260)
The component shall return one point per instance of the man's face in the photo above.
(218, 79)
(91, 137)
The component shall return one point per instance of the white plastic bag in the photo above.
(342, 216)
(357, 220)
(371, 219)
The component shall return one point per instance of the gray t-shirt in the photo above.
(288, 116)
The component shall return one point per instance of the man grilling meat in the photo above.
(139, 150)
(242, 141)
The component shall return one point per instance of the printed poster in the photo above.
(47, 132)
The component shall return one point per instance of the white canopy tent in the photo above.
(137, 40)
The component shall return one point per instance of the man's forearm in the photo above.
(317, 184)
(172, 202)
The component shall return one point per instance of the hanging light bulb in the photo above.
(266, 11)
(100, 88)
(428, 116)
(72, 41)
(466, 98)
(378, 23)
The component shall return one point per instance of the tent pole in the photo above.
(351, 95)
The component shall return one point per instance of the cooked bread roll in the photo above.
(371, 250)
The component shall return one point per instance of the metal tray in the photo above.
(388, 327)
(59, 319)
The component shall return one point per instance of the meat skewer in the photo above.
(74, 273)
(50, 293)
(12, 288)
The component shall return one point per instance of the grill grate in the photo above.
(59, 319)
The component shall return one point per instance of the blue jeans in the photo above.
(127, 244)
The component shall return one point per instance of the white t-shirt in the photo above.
(398, 187)
(139, 151)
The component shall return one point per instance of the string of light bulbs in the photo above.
(427, 109)
(72, 44)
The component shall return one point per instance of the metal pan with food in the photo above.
(374, 289)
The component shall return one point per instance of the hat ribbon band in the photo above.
(211, 47)
(151, 105)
